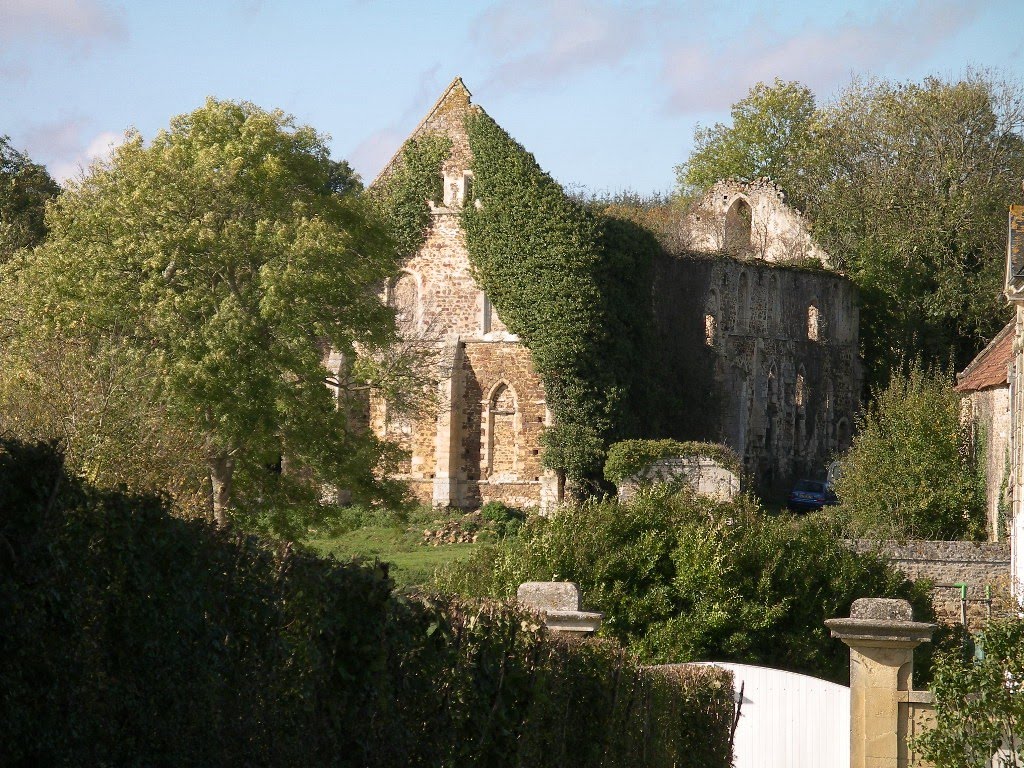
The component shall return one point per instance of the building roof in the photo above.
(989, 368)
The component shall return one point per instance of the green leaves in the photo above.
(909, 474)
(680, 577)
(219, 258)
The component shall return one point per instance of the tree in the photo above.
(220, 265)
(681, 577)
(978, 704)
(909, 473)
(25, 187)
(769, 131)
(907, 186)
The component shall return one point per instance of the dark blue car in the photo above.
(808, 495)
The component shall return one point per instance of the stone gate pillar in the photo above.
(882, 636)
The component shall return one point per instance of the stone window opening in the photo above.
(771, 406)
(485, 314)
(467, 188)
(404, 299)
(502, 428)
(800, 415)
(738, 222)
(813, 322)
(711, 320)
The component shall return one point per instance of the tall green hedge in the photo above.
(573, 285)
(130, 637)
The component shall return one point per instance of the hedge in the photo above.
(131, 637)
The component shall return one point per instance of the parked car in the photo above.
(808, 495)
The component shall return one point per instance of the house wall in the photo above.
(988, 410)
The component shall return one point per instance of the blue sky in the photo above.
(606, 94)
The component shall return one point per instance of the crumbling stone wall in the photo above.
(948, 563)
(750, 219)
(760, 357)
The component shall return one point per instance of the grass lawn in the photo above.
(412, 563)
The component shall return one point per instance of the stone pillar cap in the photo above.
(881, 622)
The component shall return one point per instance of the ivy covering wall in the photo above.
(401, 195)
(572, 285)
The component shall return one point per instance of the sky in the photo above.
(605, 93)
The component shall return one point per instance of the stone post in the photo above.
(559, 603)
(882, 636)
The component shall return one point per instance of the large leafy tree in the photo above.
(215, 266)
(767, 137)
(906, 185)
(24, 189)
(910, 473)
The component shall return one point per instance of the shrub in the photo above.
(685, 578)
(505, 520)
(131, 637)
(978, 702)
(910, 473)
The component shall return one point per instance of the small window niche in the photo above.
(813, 322)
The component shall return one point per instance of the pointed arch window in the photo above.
(404, 298)
(501, 439)
(738, 221)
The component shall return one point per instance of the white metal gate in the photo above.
(789, 720)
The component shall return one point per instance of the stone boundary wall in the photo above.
(978, 564)
(706, 476)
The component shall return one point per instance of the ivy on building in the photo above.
(402, 192)
(573, 285)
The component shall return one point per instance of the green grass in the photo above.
(412, 563)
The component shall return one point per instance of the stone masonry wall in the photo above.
(989, 411)
(946, 563)
(760, 357)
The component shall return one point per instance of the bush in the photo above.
(978, 702)
(681, 577)
(504, 519)
(131, 637)
(910, 473)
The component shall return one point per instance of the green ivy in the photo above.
(630, 457)
(401, 195)
(572, 285)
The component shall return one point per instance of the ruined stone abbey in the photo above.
(749, 310)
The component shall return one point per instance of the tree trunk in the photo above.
(221, 469)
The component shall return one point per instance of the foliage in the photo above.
(906, 185)
(910, 473)
(25, 188)
(218, 265)
(572, 285)
(978, 702)
(134, 637)
(630, 457)
(683, 578)
(506, 520)
(401, 196)
(770, 129)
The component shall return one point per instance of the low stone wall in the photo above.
(705, 476)
(949, 563)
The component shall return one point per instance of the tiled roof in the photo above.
(988, 369)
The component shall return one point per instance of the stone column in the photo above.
(882, 636)
(446, 491)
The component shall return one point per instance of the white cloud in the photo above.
(705, 78)
(66, 149)
(70, 21)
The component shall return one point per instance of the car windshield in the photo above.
(809, 486)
